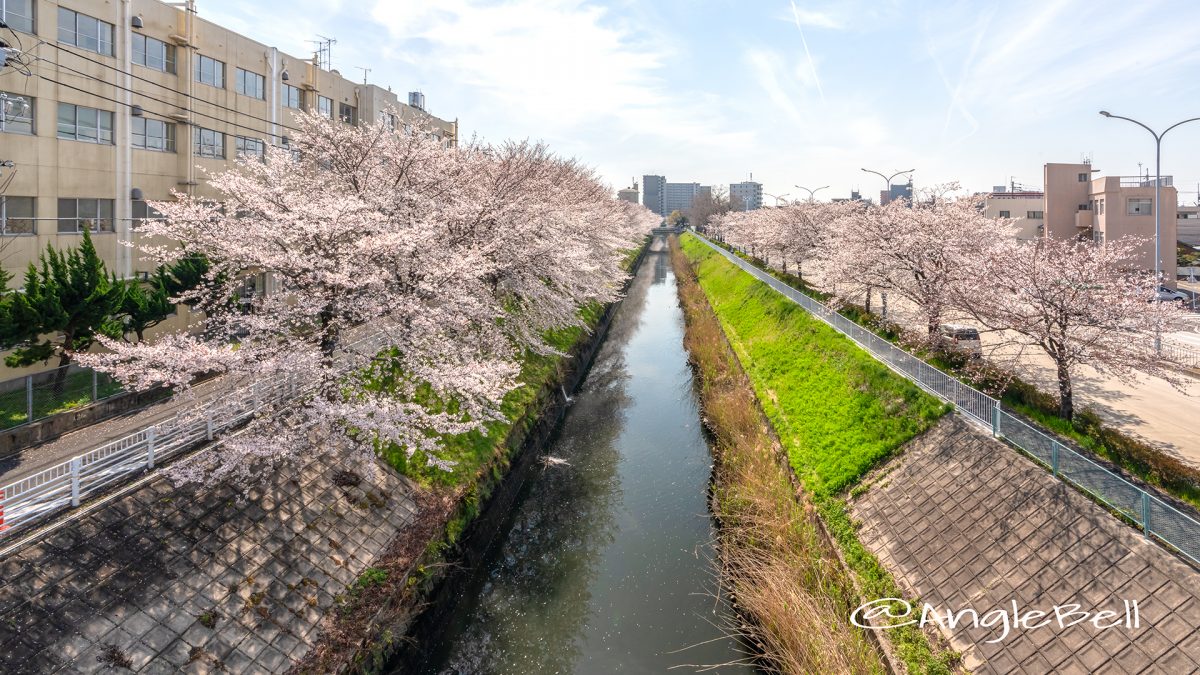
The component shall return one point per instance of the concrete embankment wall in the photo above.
(164, 579)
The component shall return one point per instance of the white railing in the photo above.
(1156, 518)
(65, 484)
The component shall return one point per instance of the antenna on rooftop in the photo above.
(365, 71)
(324, 54)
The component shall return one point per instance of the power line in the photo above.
(152, 98)
(163, 86)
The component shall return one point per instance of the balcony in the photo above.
(1144, 181)
(1084, 219)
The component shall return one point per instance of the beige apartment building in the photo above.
(1024, 207)
(1187, 225)
(127, 100)
(115, 102)
(1109, 208)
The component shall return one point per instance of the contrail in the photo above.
(808, 54)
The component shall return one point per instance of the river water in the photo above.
(607, 564)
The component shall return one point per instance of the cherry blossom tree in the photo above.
(1080, 303)
(453, 262)
(915, 250)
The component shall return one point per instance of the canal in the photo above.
(606, 563)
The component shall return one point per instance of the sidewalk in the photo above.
(31, 460)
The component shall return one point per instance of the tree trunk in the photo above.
(1066, 402)
(60, 377)
(867, 304)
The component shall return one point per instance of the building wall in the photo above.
(628, 195)
(49, 168)
(749, 192)
(1064, 193)
(653, 193)
(1113, 222)
(679, 196)
(1187, 225)
(1023, 207)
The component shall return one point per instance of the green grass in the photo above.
(1087, 431)
(837, 410)
(472, 450)
(77, 393)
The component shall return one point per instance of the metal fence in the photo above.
(1158, 520)
(1181, 354)
(65, 484)
(40, 395)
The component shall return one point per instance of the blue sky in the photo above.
(804, 93)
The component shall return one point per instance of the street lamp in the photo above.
(811, 193)
(888, 179)
(1157, 188)
(777, 197)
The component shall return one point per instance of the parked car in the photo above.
(963, 339)
(1165, 294)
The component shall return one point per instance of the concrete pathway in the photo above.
(963, 521)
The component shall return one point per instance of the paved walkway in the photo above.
(963, 521)
(186, 580)
(30, 460)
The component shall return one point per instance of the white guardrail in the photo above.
(1157, 519)
(63, 485)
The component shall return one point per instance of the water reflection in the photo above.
(606, 566)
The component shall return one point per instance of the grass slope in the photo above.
(837, 410)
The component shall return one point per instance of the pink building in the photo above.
(1109, 208)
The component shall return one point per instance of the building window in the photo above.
(85, 32)
(249, 147)
(286, 145)
(408, 131)
(293, 97)
(347, 113)
(153, 134)
(1098, 236)
(325, 107)
(154, 54)
(1083, 178)
(1140, 206)
(143, 211)
(18, 14)
(388, 120)
(1099, 207)
(208, 143)
(77, 215)
(249, 84)
(210, 71)
(1084, 207)
(78, 123)
(1006, 214)
(16, 113)
(16, 215)
(1033, 215)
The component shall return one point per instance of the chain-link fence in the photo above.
(34, 397)
(1158, 519)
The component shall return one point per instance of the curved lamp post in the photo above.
(888, 179)
(811, 193)
(1157, 187)
(777, 197)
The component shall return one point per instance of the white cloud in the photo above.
(562, 66)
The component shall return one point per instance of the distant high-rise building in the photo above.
(653, 193)
(896, 191)
(679, 196)
(629, 194)
(748, 194)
